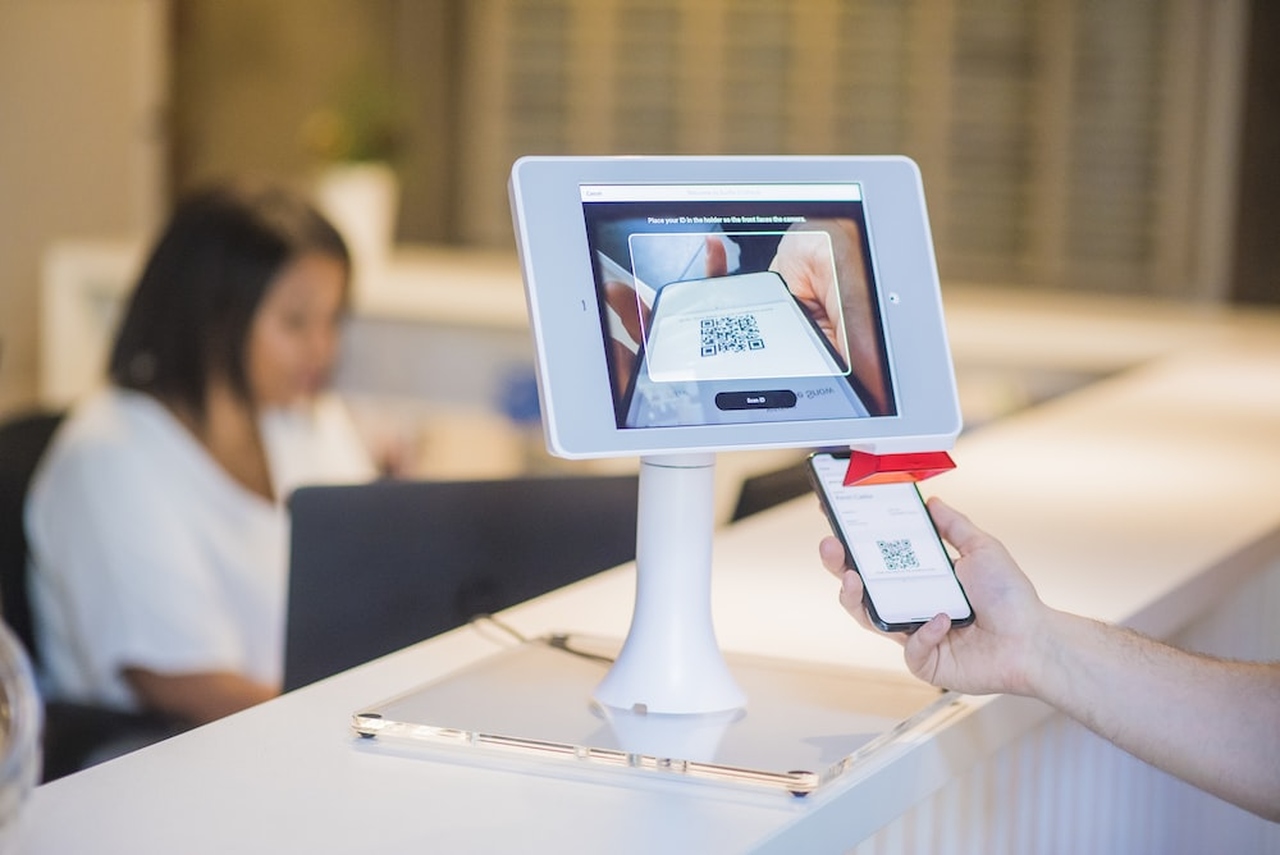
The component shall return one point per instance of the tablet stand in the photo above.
(671, 662)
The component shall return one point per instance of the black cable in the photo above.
(557, 641)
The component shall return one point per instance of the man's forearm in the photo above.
(1211, 722)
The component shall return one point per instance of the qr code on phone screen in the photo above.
(898, 554)
(730, 334)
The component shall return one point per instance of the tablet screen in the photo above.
(737, 303)
(683, 304)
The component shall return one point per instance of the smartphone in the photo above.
(890, 540)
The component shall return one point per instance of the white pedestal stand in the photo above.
(671, 662)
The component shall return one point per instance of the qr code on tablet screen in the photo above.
(898, 554)
(730, 334)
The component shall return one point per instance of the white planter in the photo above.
(362, 201)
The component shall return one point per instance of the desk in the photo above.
(1147, 498)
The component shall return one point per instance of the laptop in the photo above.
(377, 567)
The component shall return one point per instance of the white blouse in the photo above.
(146, 553)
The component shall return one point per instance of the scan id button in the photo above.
(774, 399)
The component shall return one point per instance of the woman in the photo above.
(157, 524)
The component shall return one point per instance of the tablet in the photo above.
(692, 304)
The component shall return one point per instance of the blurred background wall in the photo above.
(1079, 144)
(83, 140)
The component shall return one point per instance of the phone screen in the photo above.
(892, 544)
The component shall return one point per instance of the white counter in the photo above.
(1148, 498)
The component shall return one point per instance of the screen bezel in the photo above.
(576, 395)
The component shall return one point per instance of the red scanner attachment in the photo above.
(867, 468)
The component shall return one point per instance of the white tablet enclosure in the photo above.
(694, 304)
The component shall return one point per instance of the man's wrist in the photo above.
(1047, 664)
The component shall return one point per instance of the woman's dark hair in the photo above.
(190, 313)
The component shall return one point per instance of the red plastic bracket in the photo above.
(867, 468)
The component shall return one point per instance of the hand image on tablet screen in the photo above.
(801, 260)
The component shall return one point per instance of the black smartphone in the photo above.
(890, 540)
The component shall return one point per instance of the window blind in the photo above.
(1064, 143)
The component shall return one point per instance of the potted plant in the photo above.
(356, 140)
